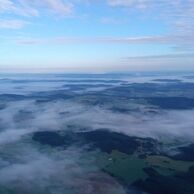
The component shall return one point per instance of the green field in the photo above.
(130, 168)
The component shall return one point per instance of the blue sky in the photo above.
(96, 35)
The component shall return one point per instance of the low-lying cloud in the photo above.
(28, 167)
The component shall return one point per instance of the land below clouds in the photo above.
(137, 136)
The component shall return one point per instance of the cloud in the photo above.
(29, 41)
(126, 3)
(16, 8)
(57, 115)
(47, 171)
(165, 62)
(143, 4)
(28, 167)
(178, 15)
(170, 124)
(12, 135)
(12, 24)
(111, 20)
(159, 57)
(35, 7)
(177, 42)
(54, 172)
(58, 6)
(6, 5)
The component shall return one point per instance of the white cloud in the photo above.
(12, 135)
(178, 15)
(176, 40)
(29, 41)
(6, 5)
(59, 6)
(16, 8)
(12, 24)
(27, 167)
(47, 116)
(35, 7)
(122, 2)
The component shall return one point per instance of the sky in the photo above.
(96, 35)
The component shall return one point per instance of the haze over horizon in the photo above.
(96, 36)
